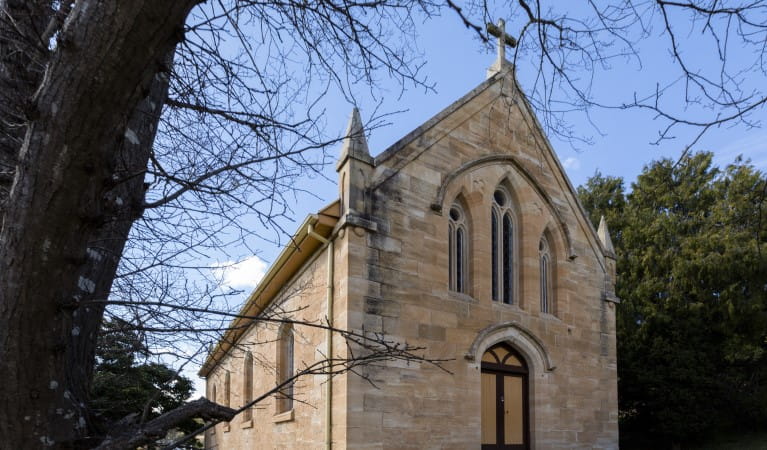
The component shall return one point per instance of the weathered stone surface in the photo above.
(394, 279)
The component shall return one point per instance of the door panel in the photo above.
(489, 431)
(513, 414)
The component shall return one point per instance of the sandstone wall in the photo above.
(304, 298)
(400, 287)
(391, 276)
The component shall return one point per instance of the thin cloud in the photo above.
(241, 275)
(752, 146)
(571, 163)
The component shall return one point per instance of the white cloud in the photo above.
(571, 163)
(241, 275)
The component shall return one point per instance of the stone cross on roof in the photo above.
(504, 39)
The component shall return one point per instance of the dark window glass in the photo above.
(544, 284)
(450, 257)
(507, 259)
(499, 198)
(494, 233)
(457, 254)
(547, 296)
(459, 260)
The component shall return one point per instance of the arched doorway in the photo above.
(505, 418)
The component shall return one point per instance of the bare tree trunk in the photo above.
(108, 241)
(78, 186)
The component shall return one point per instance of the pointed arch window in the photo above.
(285, 369)
(213, 399)
(502, 252)
(227, 394)
(457, 249)
(227, 388)
(545, 276)
(247, 385)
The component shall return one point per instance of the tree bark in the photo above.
(22, 62)
(107, 243)
(77, 188)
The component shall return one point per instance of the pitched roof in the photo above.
(288, 263)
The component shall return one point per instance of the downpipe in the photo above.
(329, 337)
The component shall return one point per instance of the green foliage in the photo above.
(692, 274)
(125, 383)
(605, 196)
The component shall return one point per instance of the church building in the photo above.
(465, 239)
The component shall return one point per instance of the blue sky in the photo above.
(456, 61)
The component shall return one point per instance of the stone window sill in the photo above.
(550, 316)
(225, 427)
(500, 304)
(461, 296)
(247, 424)
(286, 416)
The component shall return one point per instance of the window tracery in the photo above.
(502, 251)
(457, 249)
(545, 276)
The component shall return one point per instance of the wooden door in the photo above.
(504, 400)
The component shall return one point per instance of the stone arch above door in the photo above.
(519, 337)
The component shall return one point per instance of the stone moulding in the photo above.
(608, 296)
(355, 219)
(516, 335)
(436, 205)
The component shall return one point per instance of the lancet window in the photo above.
(227, 388)
(247, 385)
(502, 252)
(458, 248)
(285, 368)
(545, 276)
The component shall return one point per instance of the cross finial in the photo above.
(504, 39)
(501, 38)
